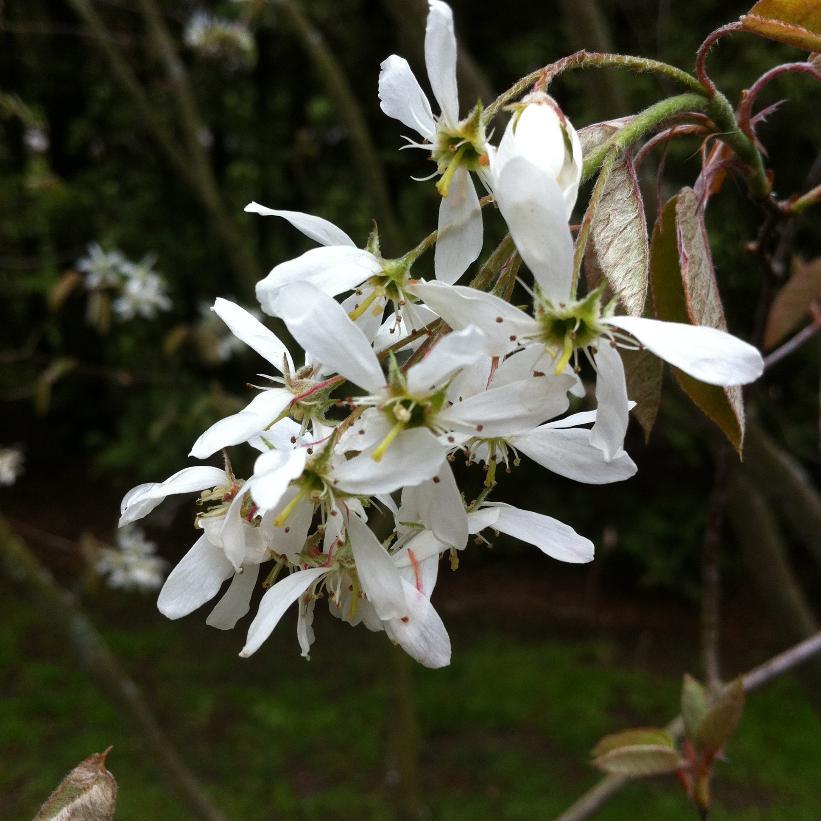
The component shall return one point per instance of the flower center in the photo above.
(463, 146)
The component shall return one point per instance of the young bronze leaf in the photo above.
(795, 22)
(87, 793)
(618, 249)
(721, 719)
(792, 305)
(639, 760)
(643, 371)
(593, 136)
(694, 705)
(637, 737)
(685, 290)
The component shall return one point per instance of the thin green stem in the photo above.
(592, 59)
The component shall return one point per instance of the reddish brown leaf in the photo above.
(795, 22)
(87, 793)
(792, 305)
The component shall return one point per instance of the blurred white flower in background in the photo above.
(103, 269)
(219, 38)
(132, 565)
(11, 465)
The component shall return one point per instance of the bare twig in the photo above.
(794, 343)
(21, 565)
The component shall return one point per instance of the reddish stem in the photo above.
(703, 51)
(748, 97)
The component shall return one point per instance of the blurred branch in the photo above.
(364, 154)
(711, 578)
(601, 792)
(203, 186)
(794, 343)
(410, 16)
(787, 485)
(21, 565)
(762, 544)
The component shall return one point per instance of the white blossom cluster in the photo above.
(140, 291)
(353, 498)
(218, 37)
(132, 564)
(11, 465)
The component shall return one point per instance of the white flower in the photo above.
(217, 37)
(457, 146)
(143, 291)
(132, 565)
(103, 269)
(11, 465)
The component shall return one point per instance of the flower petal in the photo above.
(510, 409)
(612, 413)
(708, 354)
(450, 354)
(141, 500)
(533, 207)
(569, 452)
(332, 269)
(273, 472)
(461, 306)
(236, 600)
(414, 456)
(240, 427)
(315, 228)
(289, 538)
(195, 580)
(441, 509)
(401, 97)
(440, 59)
(274, 603)
(377, 573)
(460, 237)
(253, 333)
(551, 536)
(321, 326)
(421, 634)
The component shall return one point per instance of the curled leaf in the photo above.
(685, 290)
(694, 705)
(87, 793)
(721, 719)
(794, 22)
(794, 302)
(639, 736)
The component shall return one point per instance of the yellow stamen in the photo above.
(363, 306)
(443, 185)
(290, 507)
(454, 559)
(567, 352)
(385, 443)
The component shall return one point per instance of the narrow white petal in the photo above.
(551, 536)
(440, 59)
(253, 333)
(305, 626)
(612, 411)
(569, 452)
(414, 456)
(141, 500)
(450, 354)
(459, 241)
(708, 354)
(195, 580)
(315, 228)
(274, 603)
(420, 570)
(523, 364)
(333, 270)
(377, 573)
(461, 306)
(240, 427)
(236, 601)
(533, 207)
(441, 508)
(401, 97)
(510, 409)
(321, 326)
(421, 634)
(289, 539)
(273, 472)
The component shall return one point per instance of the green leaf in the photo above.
(685, 290)
(792, 304)
(640, 760)
(618, 250)
(795, 22)
(639, 736)
(721, 719)
(694, 705)
(88, 792)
